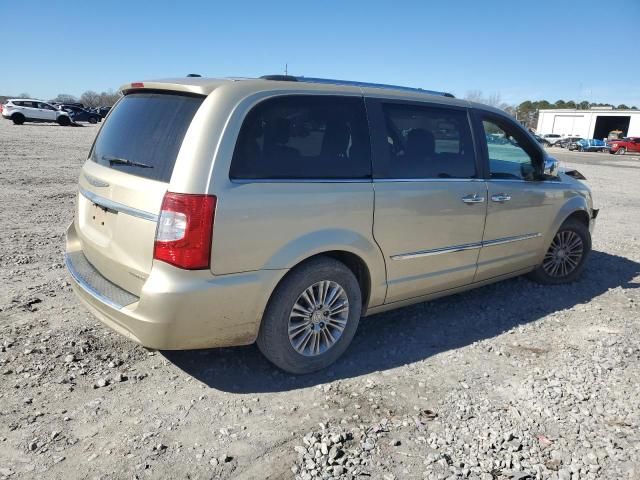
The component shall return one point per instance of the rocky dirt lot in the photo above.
(509, 381)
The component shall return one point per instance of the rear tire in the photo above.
(93, 120)
(290, 318)
(566, 257)
(64, 121)
(18, 118)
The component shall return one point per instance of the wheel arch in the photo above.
(577, 207)
(357, 251)
(351, 260)
(580, 215)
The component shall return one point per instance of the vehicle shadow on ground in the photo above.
(411, 334)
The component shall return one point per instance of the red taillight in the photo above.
(185, 228)
(137, 85)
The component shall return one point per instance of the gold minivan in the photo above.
(280, 210)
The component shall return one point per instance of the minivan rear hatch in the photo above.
(124, 180)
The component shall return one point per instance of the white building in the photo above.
(593, 123)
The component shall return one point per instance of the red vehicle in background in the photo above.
(624, 145)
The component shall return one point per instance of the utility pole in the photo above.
(286, 69)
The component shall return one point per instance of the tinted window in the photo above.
(143, 134)
(425, 142)
(509, 156)
(308, 137)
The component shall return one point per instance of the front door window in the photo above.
(507, 158)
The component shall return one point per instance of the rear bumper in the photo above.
(176, 309)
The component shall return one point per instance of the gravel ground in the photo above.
(508, 381)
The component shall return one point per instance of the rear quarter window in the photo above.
(304, 137)
(143, 134)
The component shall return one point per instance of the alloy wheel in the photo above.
(318, 318)
(564, 254)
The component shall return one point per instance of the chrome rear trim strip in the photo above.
(467, 246)
(118, 207)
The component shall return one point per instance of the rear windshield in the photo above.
(144, 132)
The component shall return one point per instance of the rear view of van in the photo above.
(139, 248)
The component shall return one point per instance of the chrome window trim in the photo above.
(88, 288)
(466, 246)
(350, 180)
(520, 180)
(388, 180)
(299, 180)
(118, 207)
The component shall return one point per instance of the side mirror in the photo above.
(551, 167)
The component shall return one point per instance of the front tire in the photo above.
(93, 120)
(566, 257)
(311, 317)
(18, 118)
(621, 151)
(64, 121)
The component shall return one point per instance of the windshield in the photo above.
(144, 132)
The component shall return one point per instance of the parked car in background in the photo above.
(552, 138)
(564, 142)
(102, 111)
(21, 110)
(81, 115)
(588, 145)
(615, 135)
(422, 215)
(542, 141)
(72, 104)
(624, 145)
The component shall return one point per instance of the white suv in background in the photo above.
(22, 110)
(552, 138)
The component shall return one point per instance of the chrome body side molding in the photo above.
(468, 246)
(437, 251)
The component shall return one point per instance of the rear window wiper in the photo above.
(124, 161)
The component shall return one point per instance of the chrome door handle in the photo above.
(500, 197)
(474, 198)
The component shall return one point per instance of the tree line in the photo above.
(527, 111)
(90, 98)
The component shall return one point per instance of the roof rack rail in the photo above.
(354, 83)
(280, 78)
